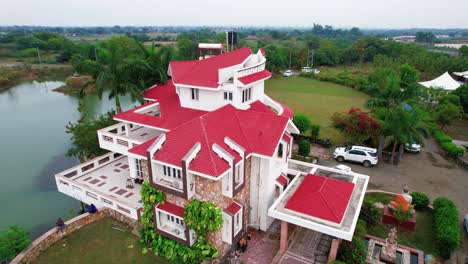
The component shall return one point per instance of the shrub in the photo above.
(420, 200)
(401, 214)
(302, 122)
(441, 136)
(369, 212)
(12, 241)
(338, 262)
(314, 131)
(304, 147)
(353, 252)
(203, 217)
(446, 226)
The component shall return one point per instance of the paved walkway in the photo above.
(263, 246)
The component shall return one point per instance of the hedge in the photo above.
(445, 142)
(420, 200)
(447, 231)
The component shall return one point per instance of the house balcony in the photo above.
(169, 222)
(121, 137)
(105, 182)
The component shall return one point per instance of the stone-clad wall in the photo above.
(145, 168)
(210, 190)
(30, 254)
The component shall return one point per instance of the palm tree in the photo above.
(405, 126)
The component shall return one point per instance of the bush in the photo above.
(12, 241)
(302, 122)
(369, 212)
(441, 136)
(446, 143)
(314, 131)
(353, 252)
(304, 147)
(446, 226)
(420, 200)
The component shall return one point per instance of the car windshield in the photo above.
(347, 148)
(373, 154)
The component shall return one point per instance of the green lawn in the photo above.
(317, 99)
(99, 243)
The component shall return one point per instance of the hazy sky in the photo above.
(338, 13)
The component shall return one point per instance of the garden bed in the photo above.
(422, 237)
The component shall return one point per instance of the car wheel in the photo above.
(366, 163)
(340, 159)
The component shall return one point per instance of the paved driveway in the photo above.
(427, 171)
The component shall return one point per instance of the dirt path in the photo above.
(427, 172)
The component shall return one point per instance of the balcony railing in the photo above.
(115, 138)
(71, 183)
(250, 70)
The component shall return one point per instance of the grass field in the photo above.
(319, 100)
(99, 243)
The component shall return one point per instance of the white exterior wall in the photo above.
(208, 99)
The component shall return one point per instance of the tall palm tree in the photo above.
(405, 126)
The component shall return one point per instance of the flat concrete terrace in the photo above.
(344, 225)
(104, 181)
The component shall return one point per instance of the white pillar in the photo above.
(127, 128)
(132, 167)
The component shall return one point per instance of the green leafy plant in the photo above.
(401, 214)
(446, 226)
(420, 200)
(314, 131)
(12, 241)
(302, 122)
(304, 147)
(369, 212)
(201, 251)
(203, 217)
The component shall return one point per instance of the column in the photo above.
(284, 237)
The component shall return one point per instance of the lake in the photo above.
(33, 144)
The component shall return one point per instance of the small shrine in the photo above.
(400, 212)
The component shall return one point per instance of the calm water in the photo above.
(33, 144)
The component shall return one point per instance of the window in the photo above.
(228, 96)
(238, 221)
(172, 172)
(139, 169)
(246, 95)
(195, 93)
(280, 150)
(357, 152)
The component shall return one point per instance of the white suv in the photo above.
(364, 155)
(288, 73)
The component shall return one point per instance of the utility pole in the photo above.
(38, 55)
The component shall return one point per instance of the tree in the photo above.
(187, 49)
(12, 241)
(84, 138)
(408, 81)
(115, 75)
(462, 93)
(463, 51)
(447, 112)
(358, 126)
(425, 37)
(302, 122)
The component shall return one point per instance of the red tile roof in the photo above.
(251, 78)
(205, 72)
(283, 180)
(262, 50)
(254, 131)
(321, 197)
(287, 138)
(233, 208)
(171, 208)
(172, 114)
(258, 106)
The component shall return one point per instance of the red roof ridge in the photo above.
(242, 130)
(210, 152)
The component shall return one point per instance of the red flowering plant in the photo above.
(358, 126)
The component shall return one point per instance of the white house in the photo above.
(209, 133)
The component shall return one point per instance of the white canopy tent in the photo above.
(445, 82)
(462, 74)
